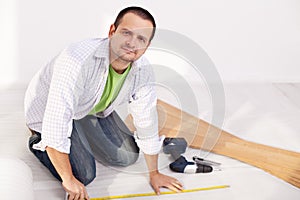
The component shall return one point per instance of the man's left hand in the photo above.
(158, 180)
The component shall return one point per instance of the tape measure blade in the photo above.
(162, 193)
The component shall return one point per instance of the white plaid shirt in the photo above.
(71, 84)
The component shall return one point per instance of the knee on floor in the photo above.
(87, 175)
(127, 159)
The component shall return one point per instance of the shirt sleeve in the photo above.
(58, 118)
(144, 112)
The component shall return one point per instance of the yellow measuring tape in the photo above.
(153, 193)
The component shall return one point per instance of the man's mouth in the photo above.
(128, 50)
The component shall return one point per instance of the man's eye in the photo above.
(142, 39)
(125, 32)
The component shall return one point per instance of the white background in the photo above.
(253, 40)
(248, 40)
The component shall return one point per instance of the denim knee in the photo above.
(127, 158)
(86, 175)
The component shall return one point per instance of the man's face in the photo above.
(131, 38)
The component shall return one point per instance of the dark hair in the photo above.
(141, 12)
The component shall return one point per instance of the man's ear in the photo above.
(112, 30)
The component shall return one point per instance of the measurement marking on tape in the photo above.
(162, 193)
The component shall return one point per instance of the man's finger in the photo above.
(156, 190)
(173, 188)
(77, 197)
(82, 195)
(71, 196)
(177, 185)
(86, 196)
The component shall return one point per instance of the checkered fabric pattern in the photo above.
(72, 83)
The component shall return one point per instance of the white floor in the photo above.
(266, 113)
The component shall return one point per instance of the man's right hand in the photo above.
(72, 186)
(75, 189)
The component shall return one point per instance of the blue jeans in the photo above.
(107, 140)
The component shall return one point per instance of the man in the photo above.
(69, 106)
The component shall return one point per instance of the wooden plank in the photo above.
(173, 122)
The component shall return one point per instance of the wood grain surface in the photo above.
(173, 122)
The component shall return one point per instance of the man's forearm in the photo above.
(61, 163)
(152, 163)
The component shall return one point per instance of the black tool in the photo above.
(203, 161)
(176, 147)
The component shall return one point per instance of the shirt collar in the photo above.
(103, 49)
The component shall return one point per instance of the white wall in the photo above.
(248, 40)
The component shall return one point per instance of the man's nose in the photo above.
(131, 42)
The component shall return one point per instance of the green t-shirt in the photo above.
(112, 88)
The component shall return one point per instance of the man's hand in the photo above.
(75, 189)
(72, 186)
(158, 180)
